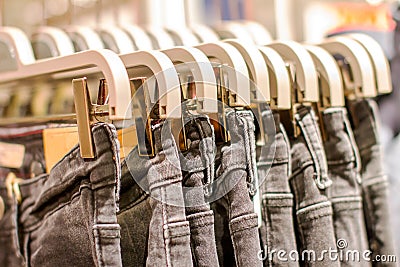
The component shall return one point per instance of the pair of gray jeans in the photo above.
(67, 217)
(364, 116)
(154, 228)
(277, 229)
(197, 165)
(345, 193)
(236, 230)
(309, 182)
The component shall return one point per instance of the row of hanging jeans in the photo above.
(321, 193)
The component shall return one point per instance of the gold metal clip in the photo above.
(86, 115)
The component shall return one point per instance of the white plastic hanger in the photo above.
(280, 84)
(203, 74)
(51, 42)
(139, 37)
(204, 33)
(105, 61)
(257, 69)
(379, 60)
(360, 64)
(331, 89)
(166, 76)
(237, 72)
(84, 38)
(162, 38)
(233, 29)
(260, 35)
(305, 72)
(115, 39)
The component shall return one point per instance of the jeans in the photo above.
(236, 228)
(309, 182)
(67, 217)
(374, 183)
(277, 230)
(154, 228)
(345, 193)
(198, 170)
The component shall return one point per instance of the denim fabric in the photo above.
(374, 182)
(154, 226)
(197, 167)
(236, 228)
(345, 192)
(68, 217)
(309, 181)
(277, 229)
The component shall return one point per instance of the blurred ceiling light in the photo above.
(374, 2)
(84, 3)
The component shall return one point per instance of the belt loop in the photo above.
(320, 164)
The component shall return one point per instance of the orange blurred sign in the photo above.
(362, 16)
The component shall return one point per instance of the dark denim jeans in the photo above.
(66, 218)
(277, 230)
(198, 170)
(309, 182)
(345, 193)
(365, 121)
(236, 228)
(154, 228)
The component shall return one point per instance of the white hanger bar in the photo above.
(280, 84)
(257, 68)
(329, 70)
(359, 61)
(167, 78)
(237, 72)
(57, 40)
(203, 74)
(306, 74)
(379, 60)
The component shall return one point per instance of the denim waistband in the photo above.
(364, 117)
(42, 194)
(341, 146)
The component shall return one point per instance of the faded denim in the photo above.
(365, 120)
(235, 221)
(154, 226)
(309, 182)
(277, 230)
(345, 193)
(67, 217)
(198, 170)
